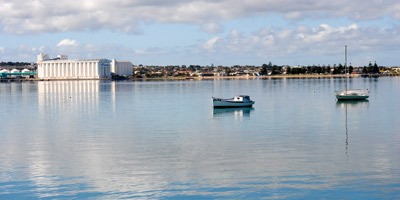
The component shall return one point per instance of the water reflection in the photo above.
(347, 130)
(70, 96)
(88, 147)
(236, 112)
(346, 105)
(352, 104)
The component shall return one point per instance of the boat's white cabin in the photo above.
(242, 98)
(354, 92)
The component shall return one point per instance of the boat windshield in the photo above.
(246, 98)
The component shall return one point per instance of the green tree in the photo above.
(328, 69)
(375, 69)
(295, 70)
(264, 70)
(340, 69)
(350, 69)
(364, 71)
(269, 65)
(288, 70)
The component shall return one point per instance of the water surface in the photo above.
(163, 140)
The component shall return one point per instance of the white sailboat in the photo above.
(351, 94)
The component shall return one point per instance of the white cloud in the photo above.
(2, 50)
(31, 16)
(67, 42)
(284, 28)
(324, 42)
(42, 48)
(212, 28)
(293, 15)
(303, 44)
(150, 52)
(211, 44)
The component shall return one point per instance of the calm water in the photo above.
(163, 140)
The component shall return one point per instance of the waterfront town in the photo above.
(62, 68)
(257, 71)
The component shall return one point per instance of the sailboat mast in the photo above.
(345, 65)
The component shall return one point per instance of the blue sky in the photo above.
(204, 32)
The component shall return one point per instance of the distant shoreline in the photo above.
(249, 77)
(302, 76)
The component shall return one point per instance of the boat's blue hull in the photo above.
(352, 95)
(228, 104)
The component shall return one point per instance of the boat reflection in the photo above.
(237, 112)
(352, 104)
(346, 105)
(347, 130)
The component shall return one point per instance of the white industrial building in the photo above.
(62, 68)
(122, 68)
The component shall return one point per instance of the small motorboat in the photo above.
(236, 101)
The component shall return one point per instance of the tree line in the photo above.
(16, 64)
(269, 69)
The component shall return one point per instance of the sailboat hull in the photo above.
(352, 95)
